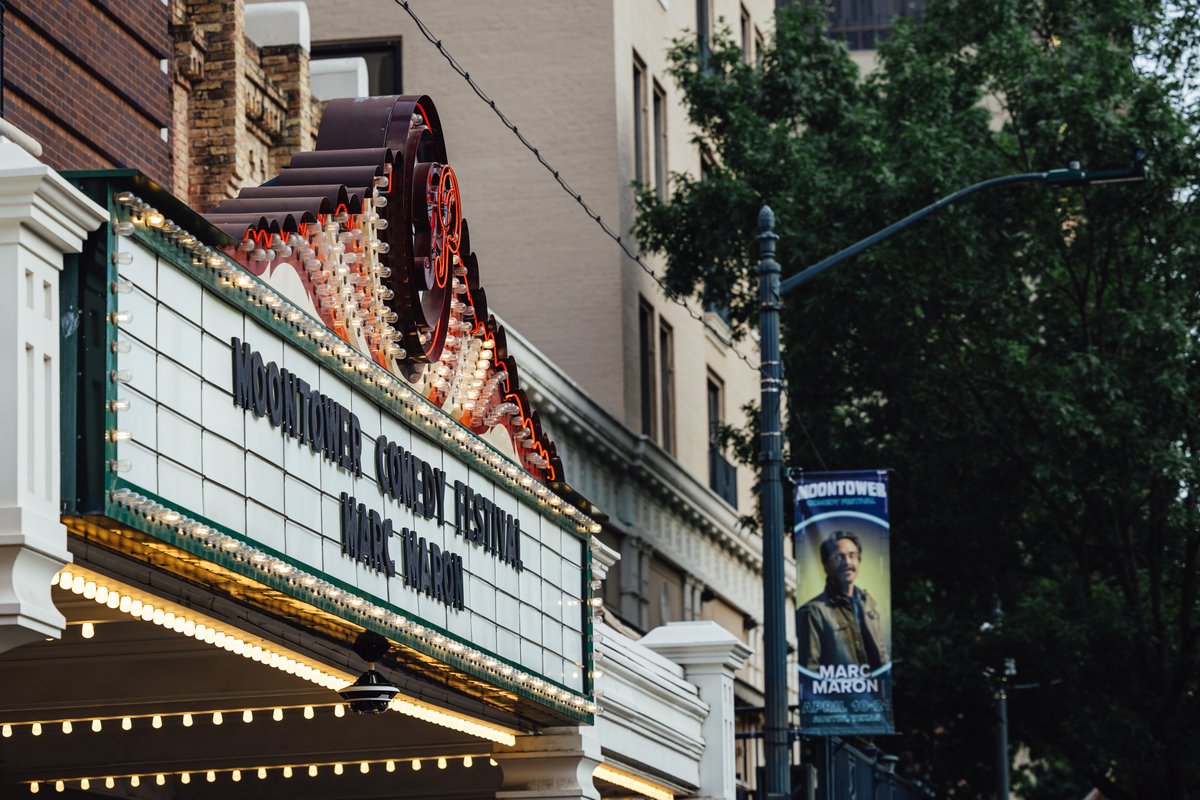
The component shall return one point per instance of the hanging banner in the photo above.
(844, 587)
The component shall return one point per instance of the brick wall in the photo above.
(248, 109)
(85, 78)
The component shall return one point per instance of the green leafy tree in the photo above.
(1026, 361)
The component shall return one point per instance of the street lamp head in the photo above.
(1075, 176)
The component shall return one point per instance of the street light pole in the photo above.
(775, 738)
(770, 295)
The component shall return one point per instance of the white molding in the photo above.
(42, 217)
(709, 655)
(653, 717)
(279, 24)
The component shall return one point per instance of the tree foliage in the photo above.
(1026, 361)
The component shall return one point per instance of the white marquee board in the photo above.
(191, 445)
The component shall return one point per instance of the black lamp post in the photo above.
(771, 294)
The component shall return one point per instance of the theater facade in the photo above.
(282, 520)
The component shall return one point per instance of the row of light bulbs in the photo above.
(187, 718)
(115, 596)
(321, 590)
(306, 327)
(312, 770)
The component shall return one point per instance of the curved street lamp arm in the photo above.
(1074, 176)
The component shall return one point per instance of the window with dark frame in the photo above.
(639, 120)
(704, 30)
(722, 475)
(646, 362)
(666, 384)
(864, 24)
(716, 407)
(759, 48)
(747, 43)
(384, 64)
(660, 141)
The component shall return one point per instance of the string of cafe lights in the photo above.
(312, 769)
(555, 173)
(126, 722)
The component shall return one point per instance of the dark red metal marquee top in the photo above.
(380, 162)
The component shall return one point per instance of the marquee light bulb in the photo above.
(126, 723)
(67, 727)
(160, 779)
(364, 768)
(262, 773)
(468, 761)
(59, 786)
(416, 765)
(135, 781)
(6, 731)
(338, 769)
(442, 762)
(218, 718)
(287, 772)
(339, 710)
(312, 770)
(237, 775)
(156, 721)
(85, 784)
(97, 726)
(308, 712)
(187, 720)
(390, 766)
(210, 776)
(247, 716)
(277, 714)
(185, 778)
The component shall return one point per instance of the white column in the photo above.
(42, 217)
(556, 764)
(709, 655)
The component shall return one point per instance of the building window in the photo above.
(660, 141)
(704, 30)
(708, 166)
(747, 51)
(863, 24)
(383, 62)
(646, 361)
(666, 383)
(639, 120)
(759, 48)
(722, 476)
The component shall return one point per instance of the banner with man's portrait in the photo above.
(844, 598)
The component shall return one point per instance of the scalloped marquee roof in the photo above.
(367, 233)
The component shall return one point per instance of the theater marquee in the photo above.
(375, 463)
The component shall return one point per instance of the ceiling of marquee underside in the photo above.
(133, 668)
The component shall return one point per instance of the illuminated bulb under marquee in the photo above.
(213, 633)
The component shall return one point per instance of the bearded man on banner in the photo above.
(841, 625)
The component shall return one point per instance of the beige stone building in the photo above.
(628, 381)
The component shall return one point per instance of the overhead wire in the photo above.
(557, 175)
(578, 197)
